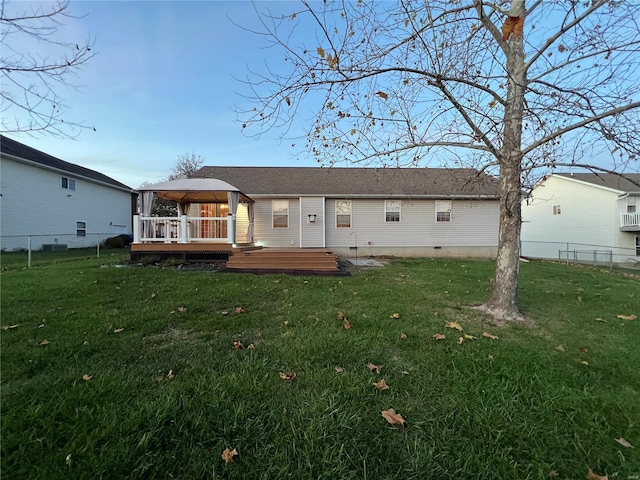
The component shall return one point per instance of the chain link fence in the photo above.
(30, 250)
(569, 252)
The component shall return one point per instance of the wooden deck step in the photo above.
(320, 260)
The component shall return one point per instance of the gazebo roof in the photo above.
(194, 190)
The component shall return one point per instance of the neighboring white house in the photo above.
(47, 201)
(384, 211)
(584, 216)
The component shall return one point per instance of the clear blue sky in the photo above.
(162, 85)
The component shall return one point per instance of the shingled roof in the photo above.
(24, 152)
(609, 180)
(356, 182)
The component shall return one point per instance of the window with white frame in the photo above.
(68, 183)
(443, 210)
(631, 205)
(557, 209)
(81, 229)
(637, 245)
(392, 210)
(280, 209)
(343, 213)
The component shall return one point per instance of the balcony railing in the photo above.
(630, 221)
(182, 229)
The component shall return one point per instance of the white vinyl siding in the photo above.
(52, 211)
(265, 234)
(588, 215)
(476, 225)
(312, 234)
(392, 209)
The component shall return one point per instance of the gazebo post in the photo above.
(231, 229)
(184, 229)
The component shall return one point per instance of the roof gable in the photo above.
(24, 152)
(369, 182)
(606, 180)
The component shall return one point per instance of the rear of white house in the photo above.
(583, 217)
(402, 212)
(46, 202)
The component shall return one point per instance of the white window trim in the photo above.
(81, 229)
(350, 213)
(71, 182)
(386, 211)
(273, 202)
(440, 210)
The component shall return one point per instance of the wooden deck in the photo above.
(287, 260)
(243, 258)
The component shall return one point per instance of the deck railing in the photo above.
(629, 220)
(182, 229)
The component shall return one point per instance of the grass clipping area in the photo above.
(167, 373)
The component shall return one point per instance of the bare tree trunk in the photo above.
(503, 303)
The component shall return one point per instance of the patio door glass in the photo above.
(213, 228)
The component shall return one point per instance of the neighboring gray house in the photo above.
(590, 216)
(56, 202)
(382, 211)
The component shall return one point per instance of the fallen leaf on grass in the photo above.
(455, 325)
(460, 340)
(170, 375)
(339, 369)
(341, 316)
(469, 337)
(224, 313)
(598, 319)
(403, 336)
(118, 330)
(553, 474)
(490, 357)
(287, 376)
(238, 346)
(87, 377)
(241, 310)
(584, 362)
(381, 385)
(623, 442)
(560, 348)
(595, 476)
(392, 417)
(373, 368)
(251, 346)
(68, 460)
(395, 315)
(9, 327)
(346, 324)
(153, 295)
(627, 317)
(488, 335)
(44, 342)
(439, 336)
(227, 455)
(582, 349)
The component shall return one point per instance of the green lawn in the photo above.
(516, 407)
